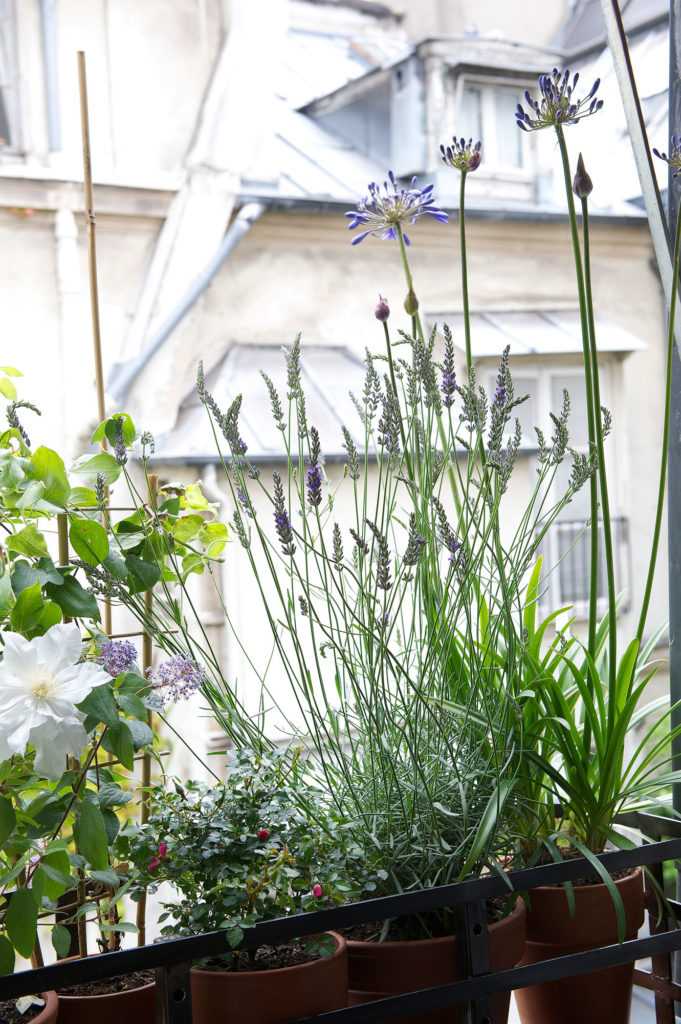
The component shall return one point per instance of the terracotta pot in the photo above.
(551, 931)
(271, 997)
(48, 1014)
(380, 969)
(134, 1006)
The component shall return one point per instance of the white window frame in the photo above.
(10, 79)
(491, 165)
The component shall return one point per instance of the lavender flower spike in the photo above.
(462, 155)
(674, 158)
(281, 518)
(557, 105)
(117, 656)
(385, 210)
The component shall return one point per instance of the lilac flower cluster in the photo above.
(117, 656)
(176, 679)
(385, 210)
(557, 105)
(462, 155)
(674, 158)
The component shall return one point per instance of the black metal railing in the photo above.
(172, 959)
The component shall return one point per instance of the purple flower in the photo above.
(176, 679)
(116, 656)
(382, 310)
(674, 158)
(281, 517)
(384, 210)
(448, 382)
(557, 105)
(314, 485)
(462, 155)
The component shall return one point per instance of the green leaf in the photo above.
(111, 795)
(7, 389)
(21, 921)
(132, 705)
(8, 819)
(26, 612)
(7, 599)
(47, 467)
(28, 541)
(143, 575)
(89, 540)
(115, 565)
(83, 497)
(6, 956)
(119, 741)
(89, 467)
(61, 940)
(100, 705)
(73, 599)
(11, 371)
(108, 877)
(56, 868)
(90, 834)
(141, 734)
(107, 428)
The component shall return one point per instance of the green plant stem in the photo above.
(602, 475)
(665, 434)
(588, 386)
(464, 273)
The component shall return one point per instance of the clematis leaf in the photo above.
(22, 921)
(90, 835)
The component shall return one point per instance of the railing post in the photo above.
(174, 994)
(473, 939)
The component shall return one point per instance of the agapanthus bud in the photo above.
(263, 834)
(317, 891)
(411, 303)
(582, 186)
(382, 311)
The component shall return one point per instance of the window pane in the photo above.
(470, 118)
(509, 139)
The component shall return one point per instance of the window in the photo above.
(9, 78)
(486, 111)
(566, 547)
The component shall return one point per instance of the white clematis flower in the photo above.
(41, 681)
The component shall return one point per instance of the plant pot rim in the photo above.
(506, 922)
(633, 875)
(48, 1009)
(341, 944)
(109, 995)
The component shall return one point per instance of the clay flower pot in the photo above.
(551, 932)
(49, 1012)
(271, 997)
(380, 969)
(133, 1006)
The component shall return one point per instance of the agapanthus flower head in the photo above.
(116, 656)
(557, 105)
(176, 679)
(674, 158)
(463, 154)
(385, 210)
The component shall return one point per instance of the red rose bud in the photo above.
(382, 311)
(317, 891)
(154, 864)
(162, 850)
(263, 834)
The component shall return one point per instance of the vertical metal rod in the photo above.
(674, 467)
(147, 655)
(473, 940)
(174, 995)
(92, 273)
(661, 965)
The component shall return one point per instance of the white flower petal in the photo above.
(16, 652)
(53, 742)
(76, 681)
(59, 647)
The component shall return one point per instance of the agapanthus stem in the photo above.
(588, 387)
(464, 272)
(665, 433)
(602, 475)
(393, 381)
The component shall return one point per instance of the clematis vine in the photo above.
(41, 682)
(384, 211)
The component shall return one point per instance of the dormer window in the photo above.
(485, 111)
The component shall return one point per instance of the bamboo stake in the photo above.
(92, 275)
(147, 654)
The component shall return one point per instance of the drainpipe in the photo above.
(123, 375)
(48, 29)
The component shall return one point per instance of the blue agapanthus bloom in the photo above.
(557, 104)
(386, 208)
(674, 158)
(463, 155)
